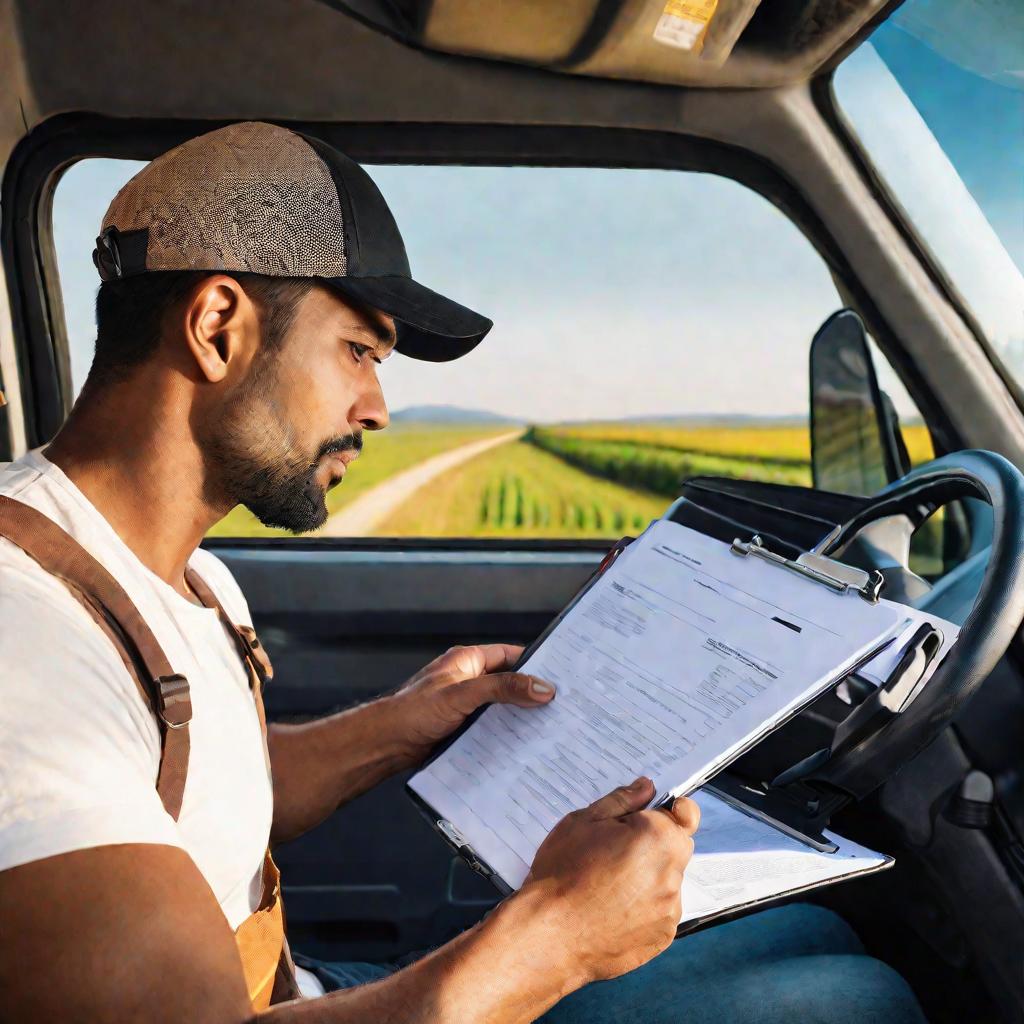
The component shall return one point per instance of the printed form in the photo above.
(679, 656)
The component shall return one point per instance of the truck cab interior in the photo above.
(623, 189)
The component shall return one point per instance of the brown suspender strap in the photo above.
(165, 691)
(250, 650)
(166, 694)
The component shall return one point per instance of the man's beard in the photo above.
(252, 459)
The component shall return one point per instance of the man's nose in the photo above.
(371, 411)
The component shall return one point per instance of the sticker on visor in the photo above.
(683, 24)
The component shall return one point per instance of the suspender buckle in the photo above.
(256, 655)
(174, 706)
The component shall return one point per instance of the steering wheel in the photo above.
(987, 632)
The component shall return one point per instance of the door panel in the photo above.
(341, 627)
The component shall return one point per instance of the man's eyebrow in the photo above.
(383, 335)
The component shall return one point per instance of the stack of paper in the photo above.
(739, 860)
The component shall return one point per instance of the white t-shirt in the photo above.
(80, 751)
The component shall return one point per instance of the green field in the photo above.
(658, 468)
(384, 455)
(765, 442)
(517, 490)
(784, 443)
(590, 480)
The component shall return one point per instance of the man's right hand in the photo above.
(615, 872)
(133, 933)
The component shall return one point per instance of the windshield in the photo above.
(936, 99)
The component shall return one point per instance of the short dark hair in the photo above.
(130, 314)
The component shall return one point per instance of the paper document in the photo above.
(739, 860)
(679, 657)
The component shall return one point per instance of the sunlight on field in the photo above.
(919, 443)
(518, 490)
(384, 454)
(772, 443)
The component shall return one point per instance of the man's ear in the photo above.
(221, 328)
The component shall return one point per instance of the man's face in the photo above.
(286, 433)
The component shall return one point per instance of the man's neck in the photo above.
(139, 465)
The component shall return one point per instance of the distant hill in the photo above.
(705, 419)
(447, 414)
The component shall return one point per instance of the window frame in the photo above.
(38, 162)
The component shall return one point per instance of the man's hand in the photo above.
(441, 696)
(602, 897)
(319, 765)
(613, 872)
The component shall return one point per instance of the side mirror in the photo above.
(856, 444)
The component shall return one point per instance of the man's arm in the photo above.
(133, 933)
(318, 766)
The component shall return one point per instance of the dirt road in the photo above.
(368, 511)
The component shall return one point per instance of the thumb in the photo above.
(514, 688)
(686, 813)
(623, 800)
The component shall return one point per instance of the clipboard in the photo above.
(774, 809)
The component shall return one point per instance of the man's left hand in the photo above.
(441, 696)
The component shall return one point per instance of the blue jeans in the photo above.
(797, 963)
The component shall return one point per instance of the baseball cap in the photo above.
(262, 199)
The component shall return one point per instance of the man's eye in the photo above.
(358, 351)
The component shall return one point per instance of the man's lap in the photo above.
(797, 962)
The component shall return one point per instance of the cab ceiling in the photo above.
(310, 60)
(746, 43)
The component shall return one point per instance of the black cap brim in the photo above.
(428, 325)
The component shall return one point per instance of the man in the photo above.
(253, 281)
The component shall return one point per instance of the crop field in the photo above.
(783, 444)
(518, 490)
(659, 468)
(769, 443)
(590, 480)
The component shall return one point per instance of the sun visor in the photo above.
(683, 42)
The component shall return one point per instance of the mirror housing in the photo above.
(856, 444)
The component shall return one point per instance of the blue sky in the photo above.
(979, 123)
(626, 292)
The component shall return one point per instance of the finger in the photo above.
(499, 657)
(504, 688)
(686, 812)
(516, 688)
(462, 663)
(679, 841)
(623, 800)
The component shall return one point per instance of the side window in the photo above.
(650, 326)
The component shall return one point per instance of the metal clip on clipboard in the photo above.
(819, 568)
(458, 842)
(801, 796)
(786, 802)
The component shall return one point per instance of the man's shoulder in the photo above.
(44, 629)
(58, 664)
(27, 590)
